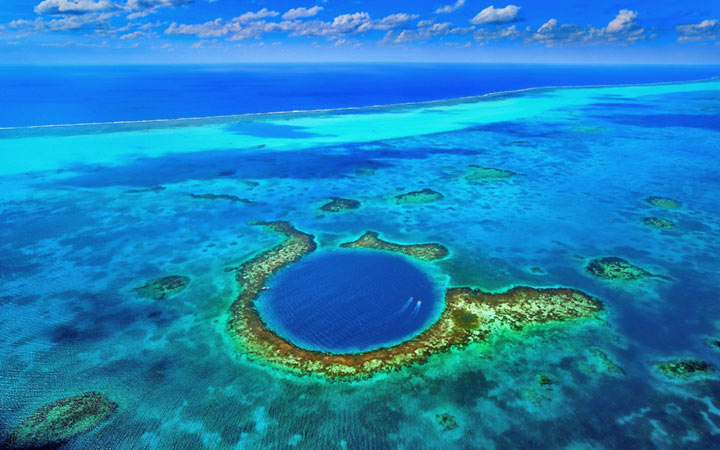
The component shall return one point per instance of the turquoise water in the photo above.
(350, 301)
(89, 213)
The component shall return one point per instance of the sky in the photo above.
(229, 31)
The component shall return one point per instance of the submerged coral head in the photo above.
(160, 288)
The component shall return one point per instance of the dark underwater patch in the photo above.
(519, 129)
(98, 316)
(270, 130)
(619, 105)
(701, 121)
(315, 163)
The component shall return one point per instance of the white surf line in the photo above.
(449, 101)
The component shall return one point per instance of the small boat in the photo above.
(265, 288)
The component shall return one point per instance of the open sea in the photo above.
(111, 178)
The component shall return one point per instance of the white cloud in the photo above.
(139, 14)
(298, 13)
(245, 27)
(624, 28)
(213, 28)
(65, 23)
(450, 8)
(496, 15)
(206, 44)
(425, 32)
(73, 6)
(624, 20)
(133, 5)
(136, 8)
(551, 34)
(103, 44)
(394, 21)
(263, 13)
(137, 35)
(511, 32)
(352, 23)
(707, 29)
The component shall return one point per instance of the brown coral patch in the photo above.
(161, 288)
(60, 421)
(424, 252)
(229, 197)
(337, 204)
(423, 196)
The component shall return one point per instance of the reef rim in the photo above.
(470, 315)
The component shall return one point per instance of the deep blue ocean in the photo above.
(59, 95)
(348, 301)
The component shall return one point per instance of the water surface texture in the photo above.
(53, 95)
(349, 301)
(90, 213)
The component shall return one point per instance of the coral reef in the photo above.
(164, 287)
(337, 204)
(57, 422)
(142, 190)
(586, 129)
(659, 223)
(606, 363)
(232, 198)
(469, 315)
(545, 380)
(423, 196)
(713, 343)
(364, 171)
(424, 252)
(663, 202)
(683, 368)
(446, 421)
(613, 268)
(479, 174)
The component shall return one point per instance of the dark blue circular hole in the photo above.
(349, 301)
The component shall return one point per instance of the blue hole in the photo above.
(349, 301)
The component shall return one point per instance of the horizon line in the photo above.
(190, 121)
(355, 62)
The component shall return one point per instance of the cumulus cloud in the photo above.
(394, 21)
(491, 15)
(262, 14)
(213, 28)
(707, 29)
(450, 8)
(136, 8)
(509, 33)
(624, 20)
(427, 31)
(249, 26)
(73, 6)
(133, 5)
(551, 33)
(298, 13)
(624, 28)
(137, 35)
(65, 23)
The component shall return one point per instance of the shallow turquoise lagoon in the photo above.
(89, 213)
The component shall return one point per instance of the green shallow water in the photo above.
(91, 213)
